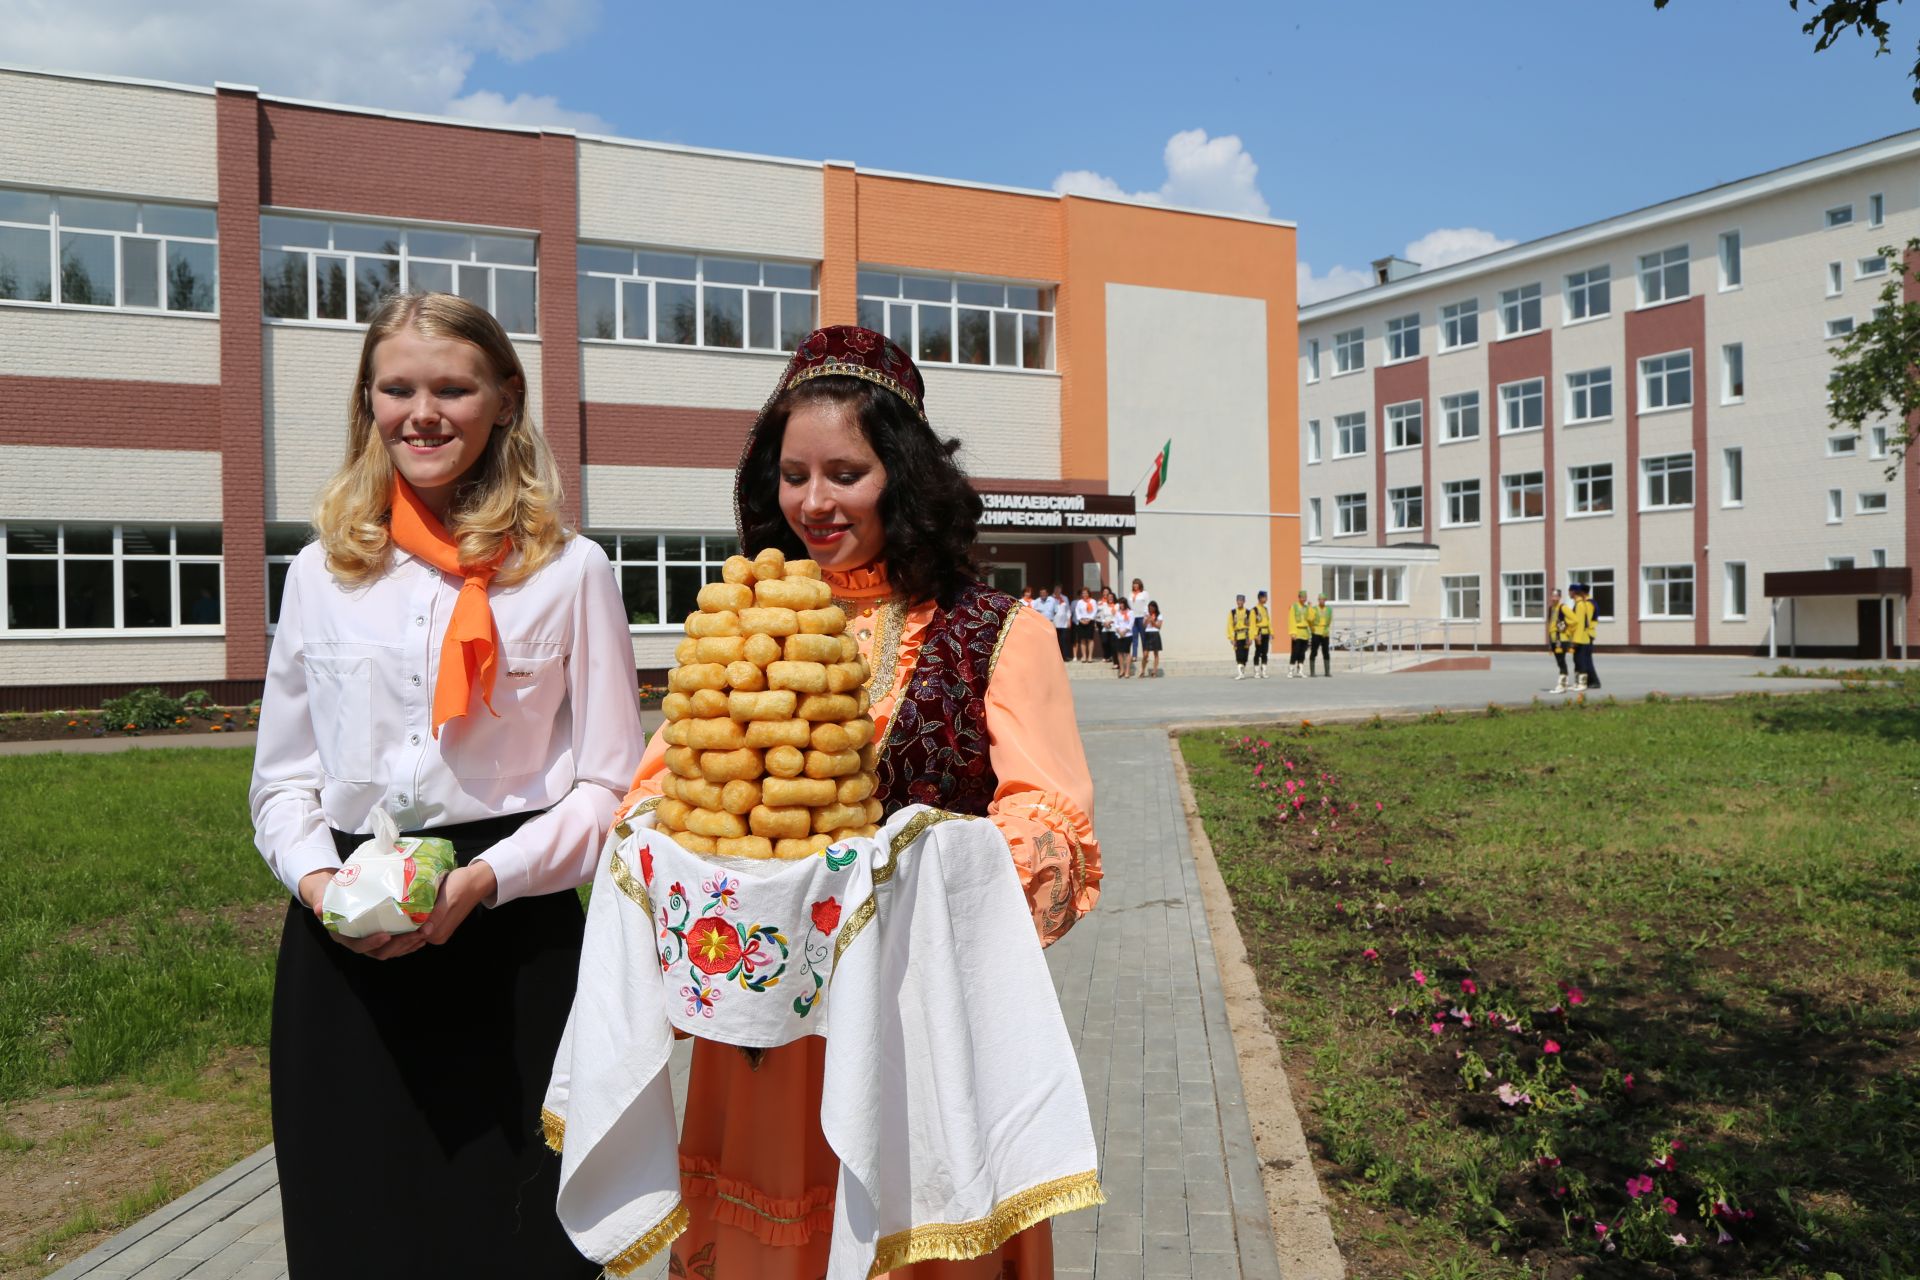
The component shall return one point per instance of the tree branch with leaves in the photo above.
(1876, 373)
(1835, 18)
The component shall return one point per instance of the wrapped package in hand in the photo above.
(387, 885)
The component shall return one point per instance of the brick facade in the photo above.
(243, 475)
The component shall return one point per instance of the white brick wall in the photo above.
(91, 135)
(669, 499)
(697, 379)
(52, 342)
(1008, 423)
(42, 483)
(111, 660)
(717, 204)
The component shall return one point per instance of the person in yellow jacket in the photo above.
(1320, 622)
(1262, 636)
(1581, 625)
(1240, 634)
(1557, 637)
(1300, 632)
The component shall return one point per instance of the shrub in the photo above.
(143, 709)
(198, 700)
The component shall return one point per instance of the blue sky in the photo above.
(1371, 125)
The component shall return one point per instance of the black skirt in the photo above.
(406, 1093)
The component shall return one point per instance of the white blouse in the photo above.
(345, 721)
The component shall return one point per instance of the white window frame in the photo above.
(1343, 425)
(1583, 482)
(1601, 586)
(1454, 497)
(1584, 387)
(1664, 468)
(1877, 557)
(1836, 505)
(1453, 594)
(1871, 502)
(1661, 270)
(1733, 477)
(1838, 327)
(1515, 398)
(1313, 359)
(280, 537)
(1877, 443)
(1844, 217)
(1733, 373)
(1403, 338)
(413, 253)
(1455, 410)
(1349, 351)
(66, 217)
(118, 557)
(1456, 319)
(644, 278)
(1314, 453)
(1364, 583)
(1843, 444)
(1405, 502)
(1661, 579)
(1515, 486)
(1316, 530)
(1836, 278)
(1840, 562)
(1513, 310)
(1578, 294)
(1023, 316)
(648, 552)
(1528, 585)
(1733, 583)
(1346, 507)
(1864, 268)
(1406, 426)
(1732, 274)
(1663, 366)
(1876, 209)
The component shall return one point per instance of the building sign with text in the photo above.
(1075, 515)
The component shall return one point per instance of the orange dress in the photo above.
(757, 1175)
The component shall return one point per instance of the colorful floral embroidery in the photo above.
(826, 918)
(713, 945)
(700, 997)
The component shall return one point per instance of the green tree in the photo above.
(1876, 373)
(1835, 18)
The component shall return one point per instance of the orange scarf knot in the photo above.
(469, 652)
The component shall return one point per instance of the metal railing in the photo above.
(1385, 641)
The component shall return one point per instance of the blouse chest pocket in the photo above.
(340, 704)
(529, 694)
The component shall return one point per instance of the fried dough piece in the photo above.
(832, 764)
(768, 622)
(718, 597)
(761, 650)
(856, 789)
(771, 563)
(731, 766)
(695, 844)
(785, 762)
(737, 569)
(811, 792)
(719, 734)
(834, 816)
(758, 847)
(788, 823)
(779, 733)
(707, 704)
(721, 649)
(794, 849)
(715, 823)
(746, 677)
(816, 649)
(738, 796)
(775, 704)
(824, 621)
(703, 626)
(829, 706)
(683, 761)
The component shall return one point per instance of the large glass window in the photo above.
(1406, 509)
(1668, 481)
(1519, 310)
(1733, 478)
(1404, 425)
(1460, 416)
(1590, 293)
(1315, 529)
(1403, 337)
(1523, 495)
(317, 269)
(1525, 596)
(1523, 406)
(1349, 350)
(1313, 359)
(1459, 324)
(1461, 592)
(107, 577)
(1663, 275)
(1349, 434)
(944, 320)
(85, 251)
(1364, 584)
(1463, 502)
(1729, 260)
(661, 573)
(1668, 591)
(1599, 589)
(1590, 395)
(1590, 489)
(1313, 440)
(695, 300)
(1349, 514)
(1666, 382)
(283, 545)
(1733, 604)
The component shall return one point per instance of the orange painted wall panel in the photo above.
(962, 230)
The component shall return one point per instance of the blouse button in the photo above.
(413, 739)
(414, 680)
(401, 801)
(419, 619)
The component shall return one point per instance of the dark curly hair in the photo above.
(928, 510)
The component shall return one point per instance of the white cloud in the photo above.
(1202, 173)
(408, 55)
(1438, 248)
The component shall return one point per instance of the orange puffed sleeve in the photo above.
(646, 780)
(1044, 802)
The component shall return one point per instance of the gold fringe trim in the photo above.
(1000, 641)
(960, 1241)
(553, 1130)
(642, 1251)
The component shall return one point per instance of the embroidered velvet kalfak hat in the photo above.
(848, 351)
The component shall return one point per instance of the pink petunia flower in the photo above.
(1575, 995)
(1420, 976)
(1599, 1228)
(1678, 1239)
(1639, 1186)
(1551, 1046)
(1437, 1027)
(1628, 1082)
(1469, 986)
(1671, 1205)
(1371, 954)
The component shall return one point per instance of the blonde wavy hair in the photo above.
(512, 492)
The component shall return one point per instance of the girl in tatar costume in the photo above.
(437, 649)
(974, 716)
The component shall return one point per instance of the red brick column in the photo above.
(243, 498)
(840, 248)
(560, 312)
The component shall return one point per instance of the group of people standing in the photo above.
(1309, 633)
(1105, 627)
(1571, 625)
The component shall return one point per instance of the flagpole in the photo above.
(1143, 475)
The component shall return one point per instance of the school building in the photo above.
(183, 271)
(1639, 403)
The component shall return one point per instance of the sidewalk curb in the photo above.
(1296, 1208)
(159, 1218)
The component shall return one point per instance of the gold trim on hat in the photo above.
(837, 368)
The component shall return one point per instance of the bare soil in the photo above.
(58, 726)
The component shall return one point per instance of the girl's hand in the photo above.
(379, 946)
(466, 888)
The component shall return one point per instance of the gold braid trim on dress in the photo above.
(864, 913)
(553, 1130)
(635, 888)
(960, 1241)
(1000, 641)
(641, 1251)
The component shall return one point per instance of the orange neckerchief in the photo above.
(469, 652)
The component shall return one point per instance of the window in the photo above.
(1877, 448)
(1313, 440)
(691, 300)
(283, 544)
(1729, 260)
(1845, 446)
(1590, 293)
(661, 573)
(1875, 265)
(942, 320)
(1839, 562)
(1668, 482)
(1313, 359)
(1461, 595)
(1403, 337)
(1460, 416)
(1834, 279)
(1459, 324)
(1463, 503)
(1879, 558)
(1600, 589)
(1839, 327)
(1733, 373)
(1525, 597)
(1315, 530)
(312, 269)
(1876, 209)
(1590, 395)
(1840, 215)
(1523, 495)
(1406, 509)
(1349, 350)
(1349, 514)
(1590, 489)
(1404, 425)
(1523, 406)
(1669, 591)
(1836, 505)
(1663, 276)
(1666, 382)
(1364, 584)
(1519, 310)
(107, 577)
(84, 251)
(1733, 595)
(1871, 504)
(1733, 478)
(1349, 435)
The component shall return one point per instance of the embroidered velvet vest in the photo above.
(936, 746)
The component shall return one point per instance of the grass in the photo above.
(1706, 910)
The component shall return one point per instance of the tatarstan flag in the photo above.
(1159, 476)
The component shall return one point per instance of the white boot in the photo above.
(1240, 672)
(1560, 686)
(1583, 682)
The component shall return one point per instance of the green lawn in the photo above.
(1596, 931)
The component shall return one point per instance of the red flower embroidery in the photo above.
(713, 945)
(646, 864)
(862, 340)
(826, 916)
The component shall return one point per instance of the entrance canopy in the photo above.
(1883, 624)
